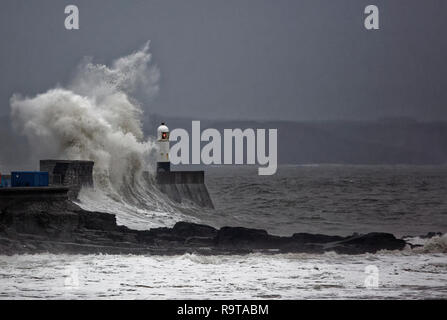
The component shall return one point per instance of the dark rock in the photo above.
(188, 229)
(371, 242)
(430, 235)
(97, 220)
(63, 227)
(246, 238)
(199, 242)
(315, 238)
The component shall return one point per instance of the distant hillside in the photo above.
(343, 142)
(387, 141)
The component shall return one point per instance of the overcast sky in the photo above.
(254, 59)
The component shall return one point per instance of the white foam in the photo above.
(255, 276)
(436, 244)
(96, 117)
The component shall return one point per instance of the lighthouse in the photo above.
(179, 186)
(163, 164)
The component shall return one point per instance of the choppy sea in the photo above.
(408, 201)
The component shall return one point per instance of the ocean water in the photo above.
(404, 275)
(330, 199)
(404, 200)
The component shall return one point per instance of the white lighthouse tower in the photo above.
(163, 163)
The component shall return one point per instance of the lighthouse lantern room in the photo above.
(163, 163)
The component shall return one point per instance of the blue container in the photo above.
(29, 179)
(5, 182)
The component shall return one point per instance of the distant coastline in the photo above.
(386, 141)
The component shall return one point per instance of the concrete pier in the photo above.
(67, 177)
(17, 196)
(181, 186)
(70, 173)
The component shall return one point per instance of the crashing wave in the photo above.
(433, 244)
(97, 117)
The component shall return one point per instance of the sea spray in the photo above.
(97, 117)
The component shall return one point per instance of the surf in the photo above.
(97, 116)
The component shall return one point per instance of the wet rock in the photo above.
(187, 229)
(368, 243)
(63, 227)
(199, 242)
(430, 235)
(315, 238)
(96, 220)
(239, 236)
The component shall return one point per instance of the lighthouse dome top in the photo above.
(163, 132)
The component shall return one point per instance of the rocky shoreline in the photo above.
(60, 226)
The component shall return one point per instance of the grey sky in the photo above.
(256, 59)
